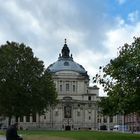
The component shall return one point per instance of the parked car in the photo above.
(120, 128)
(3, 127)
(103, 127)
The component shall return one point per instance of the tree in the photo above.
(25, 86)
(121, 81)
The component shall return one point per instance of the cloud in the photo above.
(117, 36)
(121, 1)
(92, 35)
(133, 16)
(121, 35)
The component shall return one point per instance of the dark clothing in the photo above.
(11, 133)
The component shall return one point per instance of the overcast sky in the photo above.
(94, 28)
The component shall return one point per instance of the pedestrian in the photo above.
(11, 133)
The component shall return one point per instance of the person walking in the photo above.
(11, 133)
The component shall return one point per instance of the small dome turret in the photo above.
(65, 51)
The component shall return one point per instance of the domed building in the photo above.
(76, 108)
(77, 101)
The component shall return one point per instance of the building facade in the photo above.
(77, 101)
(132, 120)
(76, 108)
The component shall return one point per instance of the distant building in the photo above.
(132, 120)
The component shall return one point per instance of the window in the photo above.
(78, 113)
(99, 120)
(89, 98)
(66, 63)
(34, 118)
(27, 118)
(105, 120)
(21, 119)
(67, 87)
(60, 87)
(56, 113)
(89, 118)
(73, 88)
(16, 119)
(111, 119)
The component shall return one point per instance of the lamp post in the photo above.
(52, 108)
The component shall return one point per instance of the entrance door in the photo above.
(67, 127)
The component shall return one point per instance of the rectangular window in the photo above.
(34, 118)
(111, 119)
(21, 119)
(56, 113)
(78, 113)
(16, 119)
(89, 118)
(27, 118)
(60, 87)
(89, 98)
(105, 120)
(67, 87)
(73, 88)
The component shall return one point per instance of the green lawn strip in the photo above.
(2, 132)
(81, 135)
(86, 135)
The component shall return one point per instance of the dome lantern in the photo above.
(65, 50)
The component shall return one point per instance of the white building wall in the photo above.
(82, 101)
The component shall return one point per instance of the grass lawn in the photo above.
(79, 135)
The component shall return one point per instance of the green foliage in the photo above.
(121, 81)
(25, 86)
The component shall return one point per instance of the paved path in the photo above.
(48, 138)
(2, 137)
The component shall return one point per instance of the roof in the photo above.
(66, 63)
